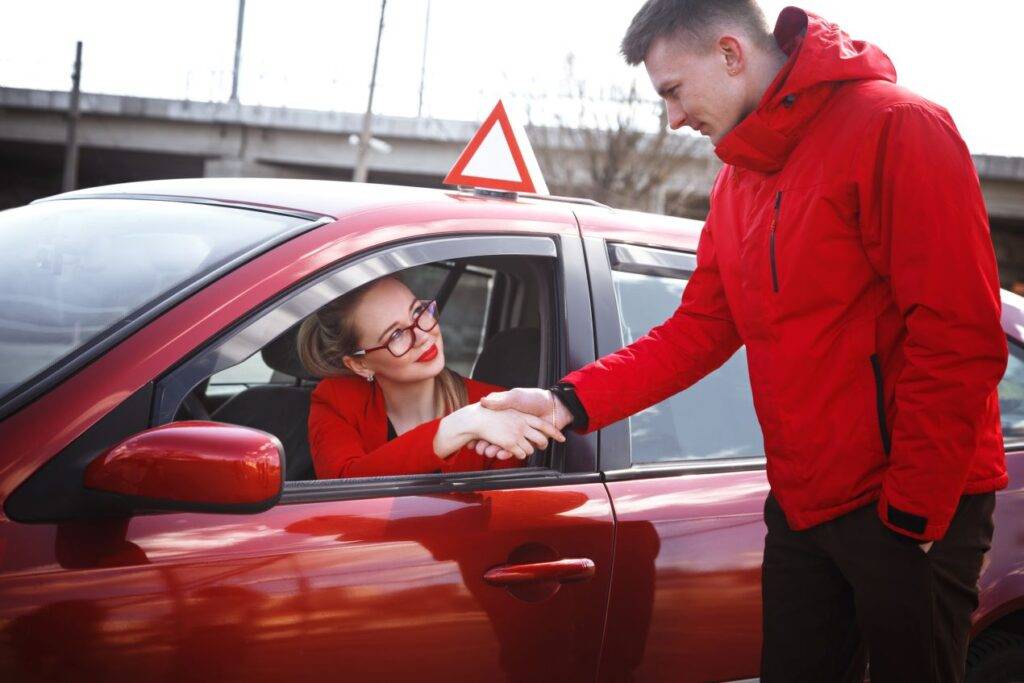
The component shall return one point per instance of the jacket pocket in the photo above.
(771, 241)
(883, 428)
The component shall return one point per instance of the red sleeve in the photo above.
(696, 340)
(476, 390)
(337, 449)
(926, 230)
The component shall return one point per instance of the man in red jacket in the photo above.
(847, 247)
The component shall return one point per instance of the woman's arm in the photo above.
(337, 447)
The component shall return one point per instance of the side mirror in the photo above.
(194, 465)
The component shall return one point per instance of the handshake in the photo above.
(504, 424)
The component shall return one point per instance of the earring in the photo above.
(369, 378)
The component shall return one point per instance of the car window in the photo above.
(72, 271)
(251, 372)
(712, 419)
(271, 389)
(1011, 395)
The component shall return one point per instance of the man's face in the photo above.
(696, 84)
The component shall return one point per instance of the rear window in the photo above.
(74, 271)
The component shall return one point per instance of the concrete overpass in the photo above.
(126, 138)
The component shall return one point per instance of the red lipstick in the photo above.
(428, 355)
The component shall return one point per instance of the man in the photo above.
(847, 247)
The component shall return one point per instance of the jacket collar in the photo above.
(821, 56)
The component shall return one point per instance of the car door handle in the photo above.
(570, 569)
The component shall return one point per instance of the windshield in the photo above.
(73, 271)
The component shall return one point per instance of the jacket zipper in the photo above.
(771, 240)
(883, 428)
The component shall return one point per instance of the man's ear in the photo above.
(356, 366)
(732, 54)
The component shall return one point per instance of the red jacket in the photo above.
(348, 432)
(848, 248)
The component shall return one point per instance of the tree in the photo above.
(617, 149)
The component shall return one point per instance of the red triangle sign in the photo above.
(499, 157)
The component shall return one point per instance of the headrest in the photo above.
(282, 355)
(511, 358)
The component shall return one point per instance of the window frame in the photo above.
(603, 257)
(572, 462)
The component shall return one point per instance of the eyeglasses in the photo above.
(401, 340)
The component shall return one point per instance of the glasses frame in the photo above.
(430, 305)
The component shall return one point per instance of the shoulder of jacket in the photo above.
(876, 97)
(477, 390)
(342, 390)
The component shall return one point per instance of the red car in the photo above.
(160, 516)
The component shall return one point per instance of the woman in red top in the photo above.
(387, 404)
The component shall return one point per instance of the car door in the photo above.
(473, 576)
(688, 484)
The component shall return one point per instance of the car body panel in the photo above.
(685, 602)
(376, 589)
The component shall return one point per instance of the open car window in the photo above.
(497, 328)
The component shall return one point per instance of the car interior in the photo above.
(494, 312)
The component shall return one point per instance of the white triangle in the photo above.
(493, 158)
(529, 158)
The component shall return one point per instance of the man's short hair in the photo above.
(696, 19)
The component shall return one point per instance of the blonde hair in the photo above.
(329, 335)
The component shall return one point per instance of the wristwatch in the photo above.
(566, 393)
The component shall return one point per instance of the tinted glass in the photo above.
(1011, 395)
(71, 271)
(712, 419)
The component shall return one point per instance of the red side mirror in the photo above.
(202, 466)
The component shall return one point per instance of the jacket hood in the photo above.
(821, 56)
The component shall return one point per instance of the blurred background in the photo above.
(391, 91)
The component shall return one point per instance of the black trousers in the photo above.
(851, 589)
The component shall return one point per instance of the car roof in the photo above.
(338, 199)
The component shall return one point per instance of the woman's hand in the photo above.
(517, 434)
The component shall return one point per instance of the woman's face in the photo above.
(389, 306)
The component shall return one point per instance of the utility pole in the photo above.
(71, 146)
(238, 51)
(362, 169)
(423, 67)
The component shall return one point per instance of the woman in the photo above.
(387, 404)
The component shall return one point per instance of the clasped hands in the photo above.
(504, 425)
(544, 415)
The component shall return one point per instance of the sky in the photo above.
(318, 54)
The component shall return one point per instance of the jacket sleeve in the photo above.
(698, 337)
(337, 451)
(926, 230)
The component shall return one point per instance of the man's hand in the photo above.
(513, 433)
(539, 402)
